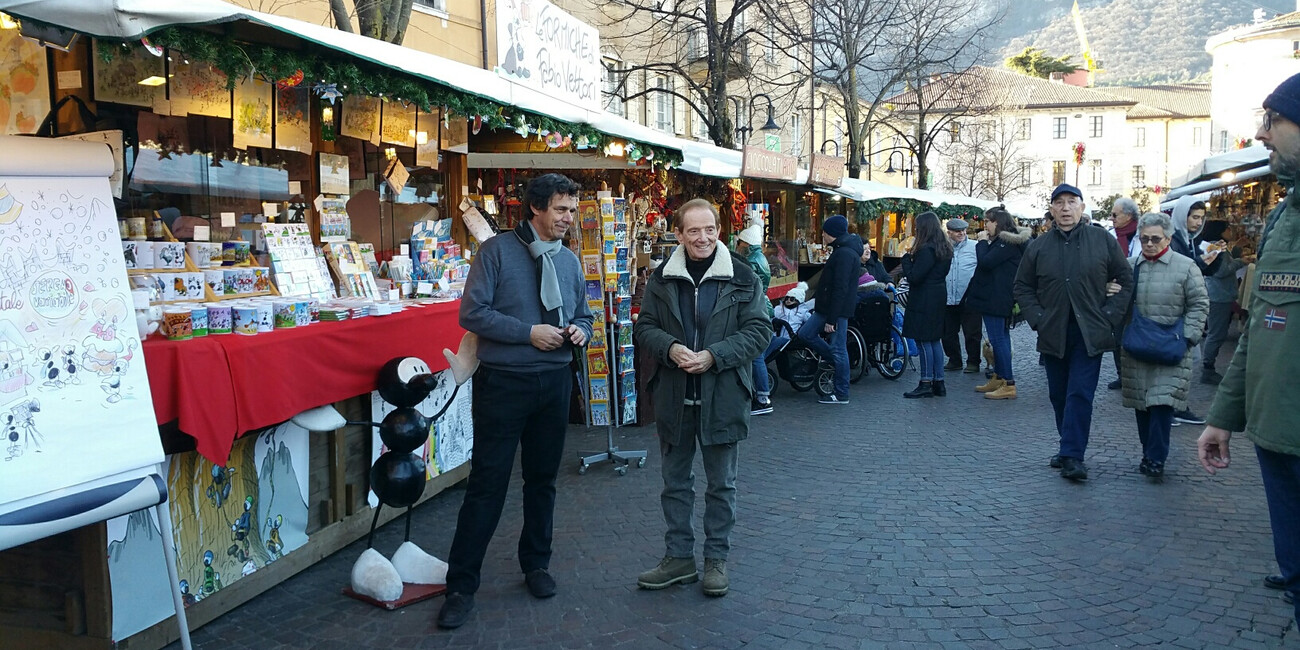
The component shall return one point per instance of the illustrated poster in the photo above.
(73, 388)
(24, 84)
(334, 174)
(451, 437)
(361, 118)
(199, 89)
(428, 128)
(118, 79)
(293, 119)
(253, 115)
(398, 126)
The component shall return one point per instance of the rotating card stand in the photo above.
(621, 459)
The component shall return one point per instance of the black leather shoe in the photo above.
(540, 583)
(938, 389)
(922, 389)
(1054, 462)
(1275, 581)
(1073, 469)
(455, 611)
(952, 365)
(1154, 470)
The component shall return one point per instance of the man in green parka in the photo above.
(703, 318)
(1256, 395)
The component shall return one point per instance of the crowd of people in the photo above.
(1147, 291)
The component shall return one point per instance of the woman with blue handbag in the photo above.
(1170, 306)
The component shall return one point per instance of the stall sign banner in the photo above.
(770, 165)
(826, 171)
(545, 48)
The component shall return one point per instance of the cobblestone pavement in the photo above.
(884, 523)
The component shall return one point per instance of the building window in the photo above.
(1139, 176)
(769, 53)
(1095, 127)
(699, 128)
(1025, 172)
(1223, 140)
(955, 130)
(663, 117)
(951, 178)
(436, 5)
(1058, 128)
(796, 129)
(1140, 136)
(839, 137)
(610, 88)
(1024, 128)
(1196, 136)
(1058, 172)
(1094, 172)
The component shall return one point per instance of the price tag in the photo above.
(406, 250)
(394, 294)
(201, 233)
(424, 288)
(295, 187)
(271, 209)
(227, 219)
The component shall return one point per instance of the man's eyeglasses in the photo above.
(1151, 239)
(1267, 123)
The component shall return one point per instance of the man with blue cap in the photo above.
(837, 297)
(1061, 289)
(1256, 394)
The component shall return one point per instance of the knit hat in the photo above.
(836, 226)
(799, 292)
(753, 235)
(1285, 99)
(1066, 188)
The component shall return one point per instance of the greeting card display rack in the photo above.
(609, 387)
(190, 267)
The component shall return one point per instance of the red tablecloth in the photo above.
(219, 387)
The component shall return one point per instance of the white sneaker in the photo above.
(831, 399)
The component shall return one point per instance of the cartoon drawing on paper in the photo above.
(219, 488)
(107, 349)
(10, 208)
(112, 384)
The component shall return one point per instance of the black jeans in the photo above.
(959, 317)
(511, 409)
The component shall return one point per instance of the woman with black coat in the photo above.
(926, 267)
(998, 254)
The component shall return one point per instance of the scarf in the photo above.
(543, 252)
(1125, 234)
(1152, 258)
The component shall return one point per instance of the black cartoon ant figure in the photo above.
(69, 363)
(273, 544)
(21, 424)
(187, 598)
(112, 384)
(49, 367)
(219, 489)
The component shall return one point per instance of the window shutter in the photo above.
(679, 108)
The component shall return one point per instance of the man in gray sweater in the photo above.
(524, 299)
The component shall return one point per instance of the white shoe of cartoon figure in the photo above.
(374, 576)
(417, 567)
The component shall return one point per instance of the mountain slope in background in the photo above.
(1136, 41)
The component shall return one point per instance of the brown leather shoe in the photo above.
(1007, 391)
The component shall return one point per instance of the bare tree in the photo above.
(385, 20)
(705, 45)
(936, 46)
(987, 158)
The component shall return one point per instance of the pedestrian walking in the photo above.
(1256, 392)
(1124, 216)
(926, 269)
(703, 320)
(749, 246)
(835, 301)
(1168, 289)
(1222, 288)
(1061, 289)
(992, 294)
(525, 298)
(959, 321)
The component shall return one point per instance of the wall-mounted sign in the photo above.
(541, 46)
(826, 171)
(761, 163)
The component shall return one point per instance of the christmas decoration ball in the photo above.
(404, 430)
(398, 479)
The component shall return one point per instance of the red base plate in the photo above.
(411, 594)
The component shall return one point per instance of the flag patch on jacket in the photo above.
(1275, 319)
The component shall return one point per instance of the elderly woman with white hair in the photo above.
(1169, 299)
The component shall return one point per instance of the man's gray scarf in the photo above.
(543, 253)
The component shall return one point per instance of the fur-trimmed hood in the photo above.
(1017, 238)
(722, 268)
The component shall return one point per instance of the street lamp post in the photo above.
(834, 142)
(744, 129)
(903, 162)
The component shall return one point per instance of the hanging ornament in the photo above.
(554, 140)
(582, 142)
(153, 49)
(290, 81)
(329, 92)
(521, 128)
(476, 125)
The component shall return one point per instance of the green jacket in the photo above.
(757, 262)
(736, 331)
(1256, 392)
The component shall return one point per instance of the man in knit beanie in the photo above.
(837, 297)
(1255, 395)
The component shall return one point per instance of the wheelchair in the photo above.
(875, 321)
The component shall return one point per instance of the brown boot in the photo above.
(993, 384)
(1007, 391)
